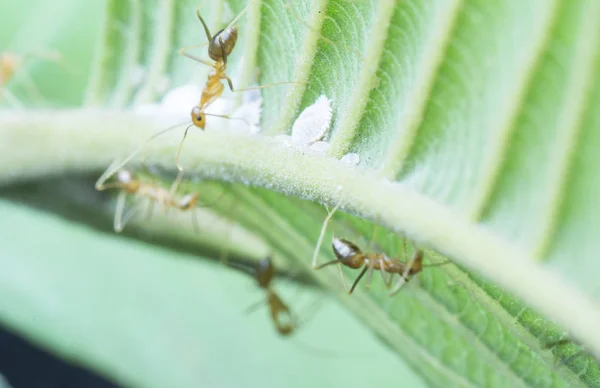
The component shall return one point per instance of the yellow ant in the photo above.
(220, 47)
(129, 184)
(351, 256)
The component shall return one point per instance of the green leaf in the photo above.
(475, 122)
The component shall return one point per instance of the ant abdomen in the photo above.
(222, 44)
(347, 253)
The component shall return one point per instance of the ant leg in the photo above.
(372, 238)
(404, 278)
(382, 271)
(228, 117)
(370, 274)
(183, 51)
(254, 306)
(401, 282)
(362, 273)
(341, 275)
(179, 177)
(322, 235)
(110, 171)
(118, 221)
(388, 283)
(116, 165)
(230, 83)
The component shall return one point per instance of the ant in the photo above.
(128, 183)
(220, 47)
(284, 320)
(350, 255)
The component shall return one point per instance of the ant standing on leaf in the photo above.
(350, 255)
(220, 47)
(129, 184)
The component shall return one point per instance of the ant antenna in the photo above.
(322, 234)
(115, 166)
(238, 17)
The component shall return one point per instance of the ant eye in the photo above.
(198, 118)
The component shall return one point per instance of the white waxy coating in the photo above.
(319, 147)
(180, 100)
(313, 123)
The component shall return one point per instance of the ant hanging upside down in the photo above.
(284, 320)
(130, 184)
(351, 256)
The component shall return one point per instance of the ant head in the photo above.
(198, 117)
(189, 201)
(223, 43)
(264, 272)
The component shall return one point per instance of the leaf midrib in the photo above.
(264, 162)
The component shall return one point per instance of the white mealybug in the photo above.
(313, 123)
